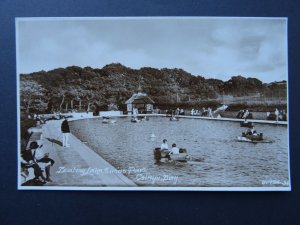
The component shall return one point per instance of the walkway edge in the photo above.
(94, 160)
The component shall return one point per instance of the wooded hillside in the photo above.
(94, 89)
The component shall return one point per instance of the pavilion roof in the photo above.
(139, 98)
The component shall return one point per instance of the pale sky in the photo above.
(211, 47)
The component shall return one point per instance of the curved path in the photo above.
(78, 165)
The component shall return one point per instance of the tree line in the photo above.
(88, 89)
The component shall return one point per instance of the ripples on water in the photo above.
(218, 160)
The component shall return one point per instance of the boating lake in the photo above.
(217, 159)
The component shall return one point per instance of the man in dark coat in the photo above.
(65, 129)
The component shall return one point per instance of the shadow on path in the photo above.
(54, 141)
(33, 182)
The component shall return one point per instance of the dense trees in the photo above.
(32, 96)
(76, 88)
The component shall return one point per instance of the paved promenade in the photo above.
(78, 165)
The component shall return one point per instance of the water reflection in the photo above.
(218, 159)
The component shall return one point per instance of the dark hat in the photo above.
(174, 145)
(34, 145)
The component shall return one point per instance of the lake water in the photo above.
(218, 160)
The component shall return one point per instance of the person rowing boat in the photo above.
(174, 154)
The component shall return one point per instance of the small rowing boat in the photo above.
(160, 154)
(244, 139)
(174, 118)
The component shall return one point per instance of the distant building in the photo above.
(139, 103)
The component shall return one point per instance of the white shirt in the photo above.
(164, 146)
(38, 155)
(175, 150)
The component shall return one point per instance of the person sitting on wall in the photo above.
(192, 112)
(29, 161)
(240, 114)
(210, 112)
(181, 112)
(277, 114)
(246, 114)
(45, 162)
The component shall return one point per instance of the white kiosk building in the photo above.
(139, 103)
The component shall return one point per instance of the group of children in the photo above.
(34, 157)
(37, 160)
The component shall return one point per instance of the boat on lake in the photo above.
(174, 118)
(143, 118)
(106, 120)
(163, 155)
(253, 138)
(135, 120)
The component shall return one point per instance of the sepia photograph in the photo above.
(152, 103)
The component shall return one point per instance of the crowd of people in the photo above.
(278, 115)
(204, 112)
(193, 112)
(40, 162)
(244, 114)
